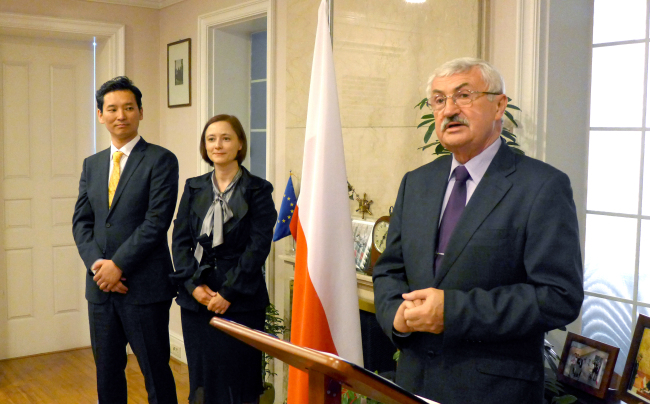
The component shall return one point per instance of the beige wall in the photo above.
(384, 53)
(142, 43)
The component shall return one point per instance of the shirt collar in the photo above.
(127, 148)
(478, 165)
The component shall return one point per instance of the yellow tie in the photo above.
(115, 176)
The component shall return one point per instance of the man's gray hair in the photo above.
(490, 75)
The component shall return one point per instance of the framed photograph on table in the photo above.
(362, 232)
(587, 365)
(179, 64)
(635, 380)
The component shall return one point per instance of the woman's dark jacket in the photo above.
(239, 260)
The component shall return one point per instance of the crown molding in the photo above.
(156, 4)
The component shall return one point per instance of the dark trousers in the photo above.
(146, 329)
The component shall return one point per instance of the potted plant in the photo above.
(274, 325)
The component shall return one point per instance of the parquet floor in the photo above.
(69, 378)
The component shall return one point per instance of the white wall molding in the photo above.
(157, 4)
(530, 69)
(222, 18)
(112, 33)
(176, 340)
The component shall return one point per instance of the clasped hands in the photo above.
(215, 302)
(109, 277)
(422, 310)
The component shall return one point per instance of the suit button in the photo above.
(431, 354)
(108, 225)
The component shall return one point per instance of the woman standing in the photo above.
(222, 236)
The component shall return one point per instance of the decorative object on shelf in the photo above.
(587, 365)
(364, 203)
(351, 192)
(635, 380)
(364, 206)
(378, 245)
(507, 131)
(179, 64)
(362, 232)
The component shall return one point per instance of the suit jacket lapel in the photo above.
(104, 167)
(492, 188)
(136, 156)
(202, 198)
(237, 202)
(431, 204)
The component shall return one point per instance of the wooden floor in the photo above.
(69, 377)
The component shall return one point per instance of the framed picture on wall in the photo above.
(179, 64)
(587, 364)
(635, 380)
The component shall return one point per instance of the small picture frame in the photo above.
(587, 365)
(362, 234)
(179, 66)
(635, 380)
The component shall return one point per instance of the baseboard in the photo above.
(177, 347)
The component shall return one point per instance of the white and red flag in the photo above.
(325, 312)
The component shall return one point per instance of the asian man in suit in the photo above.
(482, 256)
(127, 197)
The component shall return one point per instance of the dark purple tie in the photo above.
(454, 209)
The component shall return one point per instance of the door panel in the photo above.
(46, 119)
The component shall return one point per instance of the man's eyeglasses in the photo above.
(462, 98)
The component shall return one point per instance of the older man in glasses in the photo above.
(482, 257)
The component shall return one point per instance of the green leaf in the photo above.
(396, 355)
(440, 149)
(425, 122)
(518, 151)
(428, 116)
(512, 119)
(508, 135)
(423, 148)
(509, 99)
(568, 399)
(513, 106)
(427, 135)
(421, 104)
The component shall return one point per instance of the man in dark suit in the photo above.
(468, 304)
(127, 197)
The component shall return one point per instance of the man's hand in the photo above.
(120, 287)
(399, 323)
(107, 275)
(427, 311)
(203, 294)
(218, 304)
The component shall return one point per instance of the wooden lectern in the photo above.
(327, 372)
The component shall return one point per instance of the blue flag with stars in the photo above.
(287, 207)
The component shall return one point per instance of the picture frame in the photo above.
(587, 364)
(362, 234)
(179, 77)
(634, 386)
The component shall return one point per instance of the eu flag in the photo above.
(287, 207)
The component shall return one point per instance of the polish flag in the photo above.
(325, 313)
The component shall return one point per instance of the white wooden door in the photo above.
(46, 129)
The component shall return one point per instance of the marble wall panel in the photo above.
(384, 53)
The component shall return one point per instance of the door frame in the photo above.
(114, 34)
